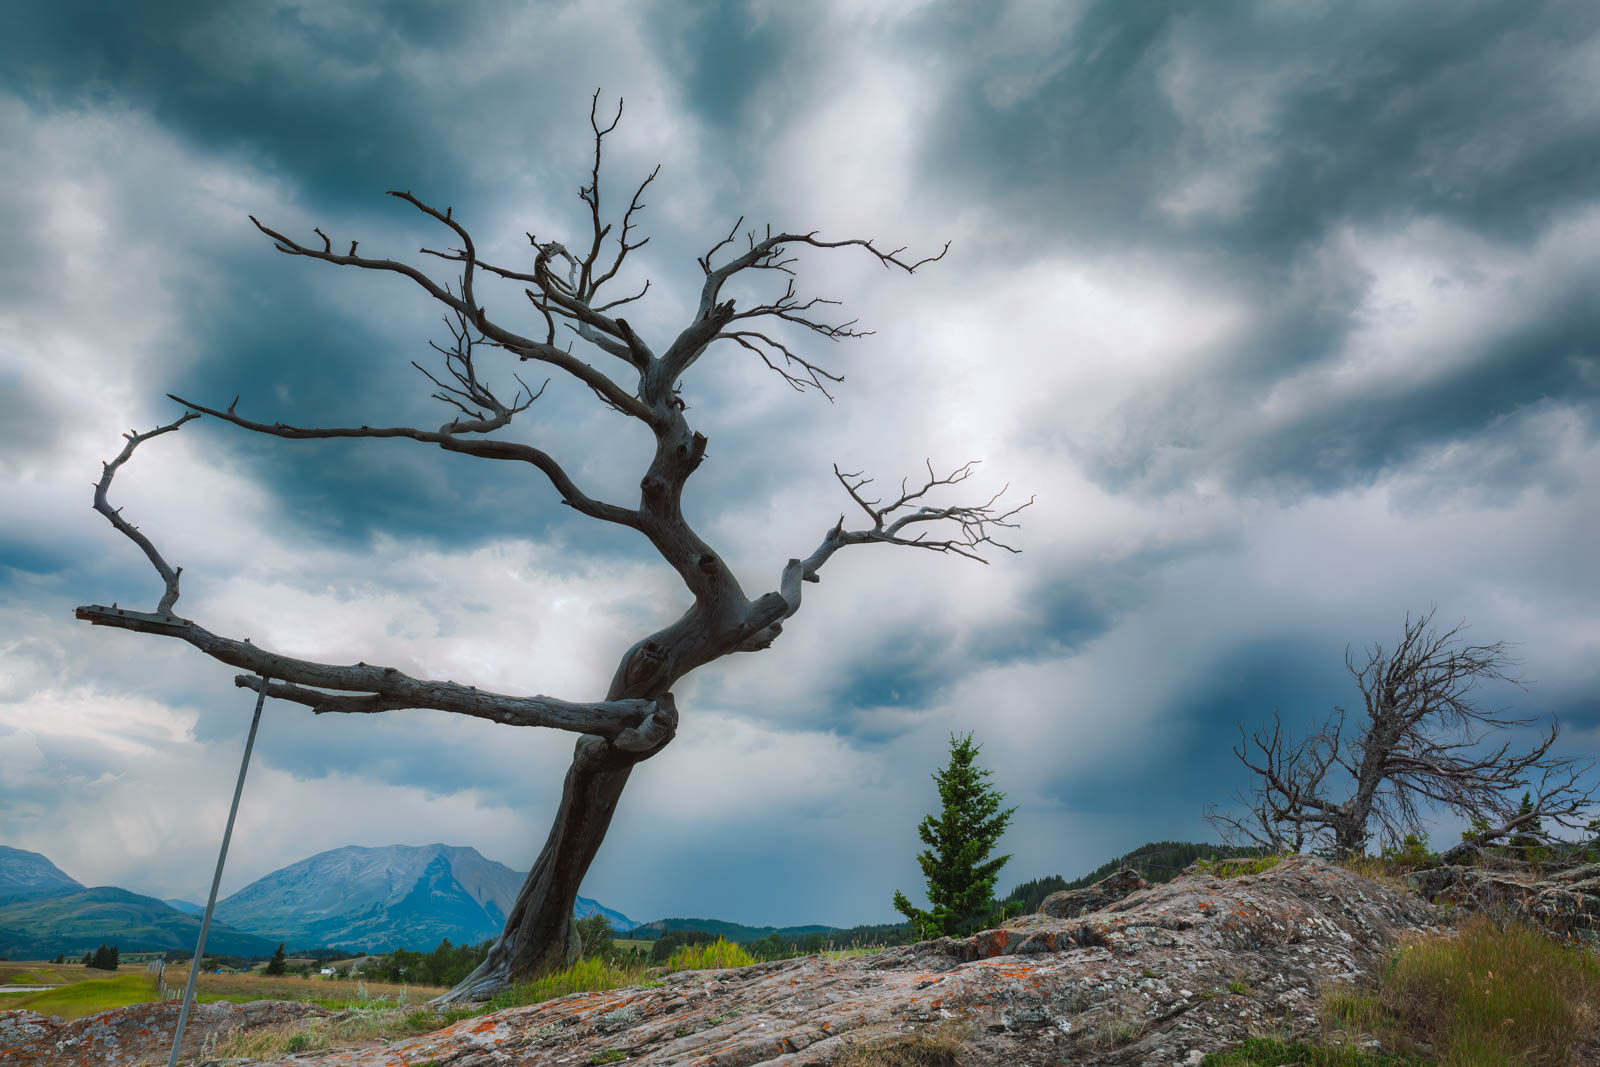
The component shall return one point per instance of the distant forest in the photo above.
(1158, 861)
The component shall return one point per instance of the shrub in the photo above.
(1411, 854)
(715, 956)
(1239, 866)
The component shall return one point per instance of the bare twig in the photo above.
(1418, 744)
(169, 574)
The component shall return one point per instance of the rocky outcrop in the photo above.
(1565, 901)
(1071, 903)
(1160, 977)
(138, 1035)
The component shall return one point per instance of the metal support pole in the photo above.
(216, 879)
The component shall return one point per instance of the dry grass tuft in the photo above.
(940, 1047)
(352, 1027)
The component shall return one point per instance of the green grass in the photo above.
(1496, 995)
(1268, 1052)
(1237, 868)
(712, 956)
(13, 976)
(91, 997)
(586, 976)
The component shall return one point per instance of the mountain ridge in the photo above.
(378, 898)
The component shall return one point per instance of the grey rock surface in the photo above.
(1144, 981)
(138, 1035)
(1566, 902)
(1071, 903)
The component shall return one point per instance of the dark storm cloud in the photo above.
(1206, 417)
(1371, 113)
(1313, 119)
(321, 92)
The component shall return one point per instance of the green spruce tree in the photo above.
(960, 876)
(1524, 846)
(276, 964)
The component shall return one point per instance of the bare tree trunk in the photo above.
(539, 934)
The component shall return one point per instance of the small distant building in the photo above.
(328, 972)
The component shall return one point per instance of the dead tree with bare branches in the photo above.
(1418, 743)
(568, 300)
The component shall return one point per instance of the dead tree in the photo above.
(1417, 743)
(637, 380)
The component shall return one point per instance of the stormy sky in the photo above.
(1283, 312)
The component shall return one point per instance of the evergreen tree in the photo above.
(104, 958)
(594, 937)
(88, 959)
(276, 965)
(1524, 846)
(112, 959)
(960, 877)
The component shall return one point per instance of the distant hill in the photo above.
(726, 930)
(186, 906)
(378, 899)
(28, 874)
(584, 907)
(75, 921)
(1156, 861)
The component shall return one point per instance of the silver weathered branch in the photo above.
(359, 687)
(525, 348)
(975, 526)
(448, 440)
(169, 574)
(768, 253)
(1421, 721)
(638, 716)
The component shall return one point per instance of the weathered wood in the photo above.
(638, 718)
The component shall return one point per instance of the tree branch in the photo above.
(769, 253)
(379, 688)
(524, 347)
(169, 575)
(571, 495)
(974, 525)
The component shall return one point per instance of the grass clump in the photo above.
(588, 975)
(939, 1047)
(1270, 1052)
(376, 1023)
(1496, 994)
(711, 956)
(1238, 867)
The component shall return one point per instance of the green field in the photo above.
(89, 997)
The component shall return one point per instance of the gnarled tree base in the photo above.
(539, 936)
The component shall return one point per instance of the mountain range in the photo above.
(373, 900)
(45, 912)
(355, 899)
(400, 896)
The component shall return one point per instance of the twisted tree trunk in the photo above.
(639, 717)
(539, 934)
